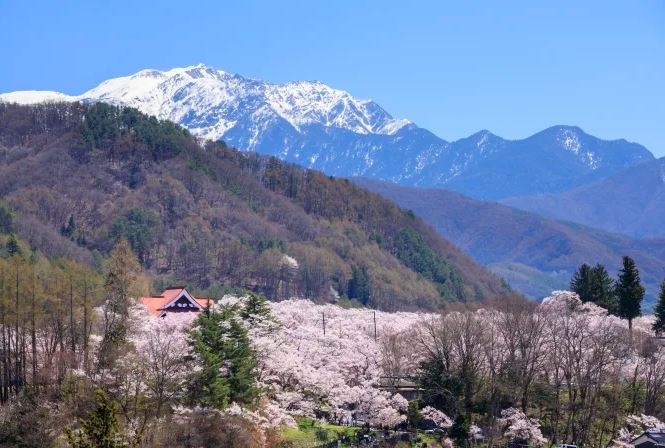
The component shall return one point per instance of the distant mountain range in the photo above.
(631, 202)
(316, 126)
(534, 254)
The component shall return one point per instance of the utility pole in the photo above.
(324, 323)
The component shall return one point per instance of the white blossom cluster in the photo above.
(517, 426)
(635, 426)
(337, 373)
(437, 417)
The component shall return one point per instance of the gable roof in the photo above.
(157, 304)
(656, 436)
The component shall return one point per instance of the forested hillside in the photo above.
(535, 254)
(629, 202)
(75, 178)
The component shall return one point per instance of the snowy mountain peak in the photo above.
(211, 102)
(303, 103)
(574, 140)
(570, 140)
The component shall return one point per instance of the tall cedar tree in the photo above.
(228, 361)
(413, 415)
(659, 311)
(100, 428)
(12, 246)
(602, 289)
(460, 430)
(581, 282)
(256, 310)
(629, 292)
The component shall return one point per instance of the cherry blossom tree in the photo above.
(635, 425)
(517, 426)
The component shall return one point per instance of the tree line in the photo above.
(621, 297)
(576, 370)
(46, 319)
(81, 363)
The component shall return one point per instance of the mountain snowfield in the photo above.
(316, 126)
(210, 102)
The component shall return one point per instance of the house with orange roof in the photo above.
(175, 299)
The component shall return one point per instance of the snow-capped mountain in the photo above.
(314, 125)
(210, 102)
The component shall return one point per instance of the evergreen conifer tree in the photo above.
(12, 246)
(659, 311)
(228, 361)
(602, 289)
(413, 415)
(581, 282)
(69, 229)
(100, 428)
(630, 292)
(359, 287)
(6, 219)
(459, 432)
(255, 308)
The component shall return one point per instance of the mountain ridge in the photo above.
(630, 202)
(532, 252)
(148, 90)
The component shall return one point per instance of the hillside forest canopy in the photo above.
(76, 178)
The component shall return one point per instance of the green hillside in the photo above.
(535, 254)
(79, 177)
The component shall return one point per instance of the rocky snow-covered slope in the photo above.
(210, 102)
(314, 125)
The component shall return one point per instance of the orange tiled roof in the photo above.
(155, 304)
(203, 301)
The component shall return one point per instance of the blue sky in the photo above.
(512, 67)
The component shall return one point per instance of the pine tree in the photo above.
(359, 287)
(255, 308)
(602, 291)
(659, 311)
(69, 229)
(460, 430)
(12, 246)
(100, 428)
(413, 415)
(581, 282)
(228, 361)
(6, 219)
(629, 292)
